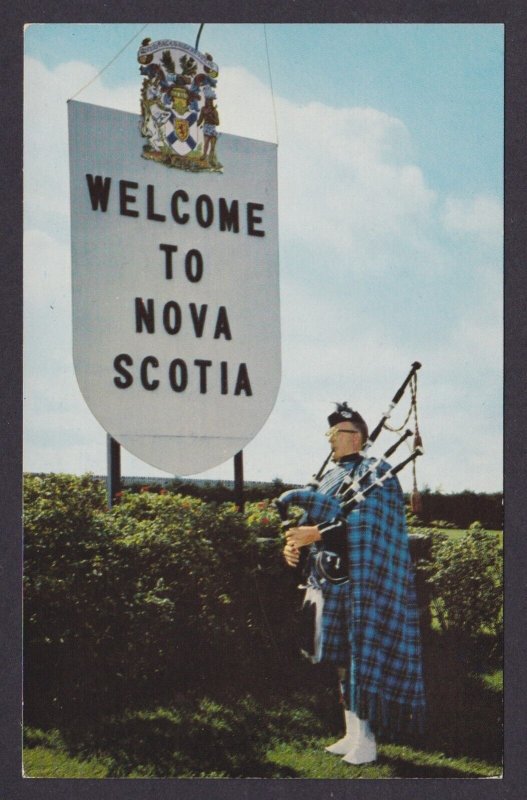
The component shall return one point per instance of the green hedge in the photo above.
(466, 578)
(161, 589)
(164, 592)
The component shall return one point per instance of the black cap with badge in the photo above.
(343, 413)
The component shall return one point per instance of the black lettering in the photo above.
(146, 362)
(253, 220)
(182, 219)
(204, 221)
(222, 324)
(178, 375)
(198, 319)
(168, 250)
(150, 211)
(224, 377)
(172, 325)
(125, 198)
(194, 271)
(229, 217)
(242, 381)
(203, 365)
(126, 380)
(99, 190)
(144, 316)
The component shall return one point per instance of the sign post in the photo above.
(113, 470)
(238, 480)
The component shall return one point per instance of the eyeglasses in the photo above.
(334, 431)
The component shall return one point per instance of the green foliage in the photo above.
(165, 592)
(442, 523)
(159, 642)
(119, 601)
(263, 518)
(66, 550)
(178, 563)
(467, 583)
(412, 520)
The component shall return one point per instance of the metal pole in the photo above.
(113, 470)
(238, 480)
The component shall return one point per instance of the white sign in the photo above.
(176, 325)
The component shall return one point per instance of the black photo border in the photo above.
(513, 15)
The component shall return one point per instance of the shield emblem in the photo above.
(182, 129)
(179, 81)
(174, 351)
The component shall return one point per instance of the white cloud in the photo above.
(481, 216)
(345, 184)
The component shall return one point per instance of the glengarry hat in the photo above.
(343, 413)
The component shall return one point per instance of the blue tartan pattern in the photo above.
(371, 623)
(335, 645)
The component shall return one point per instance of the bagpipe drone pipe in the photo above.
(327, 511)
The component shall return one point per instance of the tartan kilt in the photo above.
(336, 614)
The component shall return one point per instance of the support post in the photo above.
(113, 470)
(238, 480)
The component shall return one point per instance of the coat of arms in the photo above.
(177, 105)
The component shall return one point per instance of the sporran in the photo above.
(311, 624)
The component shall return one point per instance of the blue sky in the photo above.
(390, 141)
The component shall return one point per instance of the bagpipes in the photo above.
(326, 510)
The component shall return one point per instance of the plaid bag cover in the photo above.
(371, 622)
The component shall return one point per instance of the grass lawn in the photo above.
(47, 762)
(276, 736)
(455, 533)
(458, 533)
(306, 759)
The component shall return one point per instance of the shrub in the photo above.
(262, 518)
(67, 553)
(467, 583)
(165, 591)
(183, 567)
(159, 591)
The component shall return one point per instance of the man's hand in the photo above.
(303, 536)
(291, 555)
(296, 538)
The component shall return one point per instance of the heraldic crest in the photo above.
(177, 105)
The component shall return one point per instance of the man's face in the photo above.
(344, 439)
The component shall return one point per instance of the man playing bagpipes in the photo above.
(360, 587)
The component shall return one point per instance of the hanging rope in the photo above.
(416, 500)
(110, 62)
(413, 400)
(271, 83)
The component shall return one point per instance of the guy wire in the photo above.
(271, 82)
(110, 62)
(199, 34)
